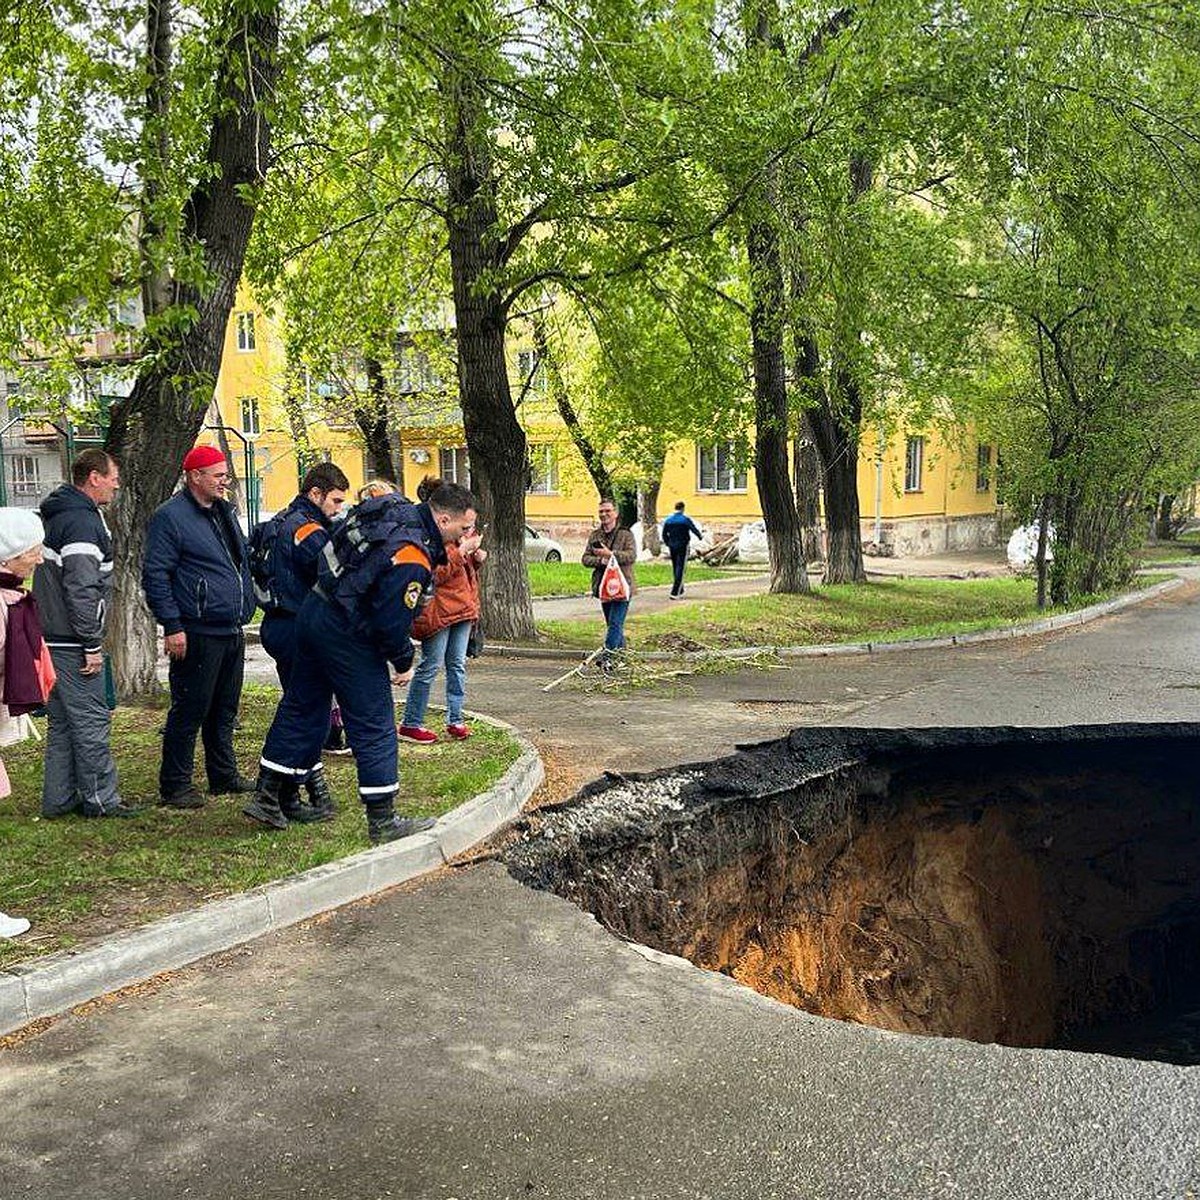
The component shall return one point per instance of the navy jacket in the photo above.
(303, 532)
(677, 530)
(73, 583)
(196, 573)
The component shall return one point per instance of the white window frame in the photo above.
(727, 477)
(543, 474)
(914, 464)
(454, 465)
(250, 415)
(26, 475)
(247, 338)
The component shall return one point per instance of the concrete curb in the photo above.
(1029, 629)
(54, 984)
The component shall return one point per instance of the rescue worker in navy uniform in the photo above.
(283, 578)
(374, 573)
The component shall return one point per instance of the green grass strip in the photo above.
(883, 610)
(76, 879)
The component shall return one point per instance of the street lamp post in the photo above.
(251, 481)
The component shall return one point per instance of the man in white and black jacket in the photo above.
(72, 587)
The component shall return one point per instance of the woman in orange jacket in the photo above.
(443, 629)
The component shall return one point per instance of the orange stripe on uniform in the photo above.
(408, 553)
(305, 530)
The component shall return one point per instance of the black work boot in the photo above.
(323, 805)
(384, 826)
(292, 807)
(265, 807)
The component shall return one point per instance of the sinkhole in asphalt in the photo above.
(1033, 887)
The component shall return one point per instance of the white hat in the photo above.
(20, 530)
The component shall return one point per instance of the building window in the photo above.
(245, 331)
(250, 415)
(26, 478)
(415, 371)
(719, 470)
(914, 463)
(983, 469)
(453, 466)
(543, 470)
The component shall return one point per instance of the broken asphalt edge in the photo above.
(52, 985)
(1080, 616)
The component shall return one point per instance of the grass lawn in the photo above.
(1178, 551)
(574, 579)
(76, 879)
(885, 610)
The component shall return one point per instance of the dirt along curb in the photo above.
(1082, 616)
(48, 986)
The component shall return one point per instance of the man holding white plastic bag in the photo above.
(611, 553)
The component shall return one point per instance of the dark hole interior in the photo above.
(1028, 887)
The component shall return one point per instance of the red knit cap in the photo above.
(202, 456)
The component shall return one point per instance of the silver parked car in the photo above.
(540, 548)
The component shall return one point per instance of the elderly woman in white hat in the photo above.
(21, 536)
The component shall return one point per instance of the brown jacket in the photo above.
(621, 544)
(455, 596)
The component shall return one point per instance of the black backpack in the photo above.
(372, 524)
(262, 559)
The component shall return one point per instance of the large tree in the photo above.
(137, 171)
(1082, 242)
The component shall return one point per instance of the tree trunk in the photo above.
(294, 406)
(1164, 524)
(495, 439)
(836, 437)
(1044, 514)
(648, 513)
(592, 458)
(778, 503)
(806, 477)
(153, 428)
(372, 421)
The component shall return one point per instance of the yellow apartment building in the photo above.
(924, 494)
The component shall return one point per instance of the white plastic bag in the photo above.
(1022, 546)
(752, 543)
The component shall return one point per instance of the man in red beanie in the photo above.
(196, 576)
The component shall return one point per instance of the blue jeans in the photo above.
(449, 646)
(614, 613)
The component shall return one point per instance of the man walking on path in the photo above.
(72, 587)
(196, 576)
(284, 554)
(611, 541)
(371, 581)
(677, 532)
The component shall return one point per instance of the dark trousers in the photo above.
(206, 685)
(278, 635)
(679, 555)
(331, 658)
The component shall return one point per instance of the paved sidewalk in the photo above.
(971, 564)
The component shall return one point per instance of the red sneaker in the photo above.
(414, 733)
(460, 732)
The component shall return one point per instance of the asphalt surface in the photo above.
(463, 1037)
